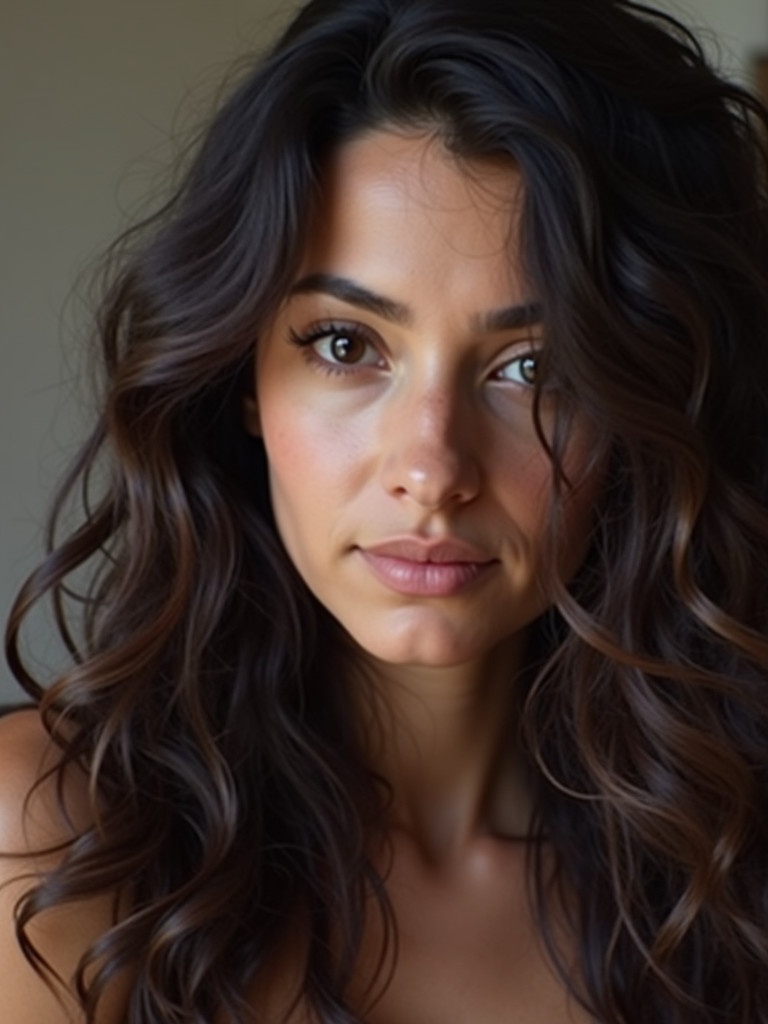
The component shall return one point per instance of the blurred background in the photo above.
(96, 97)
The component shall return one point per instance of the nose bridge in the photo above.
(433, 405)
(431, 456)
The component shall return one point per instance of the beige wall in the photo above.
(90, 92)
(734, 31)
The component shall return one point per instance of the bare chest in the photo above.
(468, 949)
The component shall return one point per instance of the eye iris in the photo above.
(346, 349)
(528, 369)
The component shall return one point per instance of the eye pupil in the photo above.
(346, 349)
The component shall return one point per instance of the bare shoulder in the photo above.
(23, 742)
(31, 822)
(30, 814)
(26, 754)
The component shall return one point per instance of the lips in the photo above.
(420, 568)
(412, 549)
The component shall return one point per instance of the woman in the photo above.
(422, 671)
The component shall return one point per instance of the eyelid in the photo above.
(529, 349)
(307, 341)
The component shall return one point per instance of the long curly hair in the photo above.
(206, 688)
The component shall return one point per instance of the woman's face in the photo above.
(394, 397)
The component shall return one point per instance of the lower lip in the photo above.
(425, 579)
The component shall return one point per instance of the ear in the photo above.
(251, 418)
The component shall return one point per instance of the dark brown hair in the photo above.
(206, 687)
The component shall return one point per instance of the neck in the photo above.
(445, 740)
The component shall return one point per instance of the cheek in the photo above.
(526, 487)
(579, 512)
(578, 522)
(295, 464)
(527, 494)
(295, 436)
(296, 484)
(313, 427)
(315, 460)
(291, 451)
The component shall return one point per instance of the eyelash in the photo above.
(305, 342)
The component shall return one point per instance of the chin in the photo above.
(420, 647)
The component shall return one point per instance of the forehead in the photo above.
(399, 205)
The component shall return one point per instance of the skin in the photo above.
(61, 935)
(411, 416)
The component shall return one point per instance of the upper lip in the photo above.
(416, 549)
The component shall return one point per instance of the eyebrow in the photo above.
(509, 318)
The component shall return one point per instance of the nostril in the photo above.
(431, 479)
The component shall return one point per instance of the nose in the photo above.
(432, 456)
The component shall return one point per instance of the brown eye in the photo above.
(346, 348)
